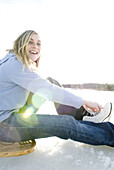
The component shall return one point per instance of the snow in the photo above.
(57, 154)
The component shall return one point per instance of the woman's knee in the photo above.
(53, 81)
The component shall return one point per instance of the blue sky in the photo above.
(77, 36)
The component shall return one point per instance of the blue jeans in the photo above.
(19, 128)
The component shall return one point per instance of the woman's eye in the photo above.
(30, 42)
(38, 44)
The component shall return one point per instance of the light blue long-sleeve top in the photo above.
(16, 83)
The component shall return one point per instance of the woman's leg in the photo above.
(20, 128)
(68, 110)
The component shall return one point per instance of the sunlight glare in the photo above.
(28, 112)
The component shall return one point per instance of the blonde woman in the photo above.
(23, 91)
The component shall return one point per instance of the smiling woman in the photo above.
(23, 91)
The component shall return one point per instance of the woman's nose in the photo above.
(35, 45)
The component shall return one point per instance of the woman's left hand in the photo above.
(93, 106)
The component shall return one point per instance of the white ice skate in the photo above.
(102, 116)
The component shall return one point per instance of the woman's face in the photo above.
(33, 47)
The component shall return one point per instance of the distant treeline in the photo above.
(95, 86)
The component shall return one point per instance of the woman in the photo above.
(22, 91)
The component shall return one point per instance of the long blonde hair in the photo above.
(20, 45)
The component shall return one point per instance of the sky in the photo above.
(77, 36)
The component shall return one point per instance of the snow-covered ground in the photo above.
(57, 154)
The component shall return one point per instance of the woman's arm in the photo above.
(31, 81)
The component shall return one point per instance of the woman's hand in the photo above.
(95, 107)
